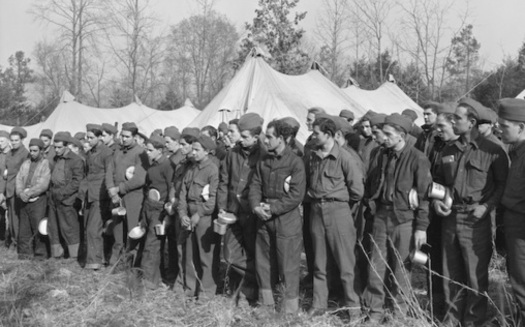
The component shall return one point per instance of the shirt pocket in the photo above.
(477, 174)
(332, 180)
(197, 185)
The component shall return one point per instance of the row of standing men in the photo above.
(350, 187)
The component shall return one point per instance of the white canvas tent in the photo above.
(259, 88)
(521, 95)
(386, 99)
(72, 116)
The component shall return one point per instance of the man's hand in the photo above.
(113, 191)
(420, 238)
(263, 214)
(195, 220)
(24, 197)
(115, 199)
(185, 221)
(441, 209)
(479, 211)
(2, 197)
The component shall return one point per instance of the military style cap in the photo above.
(20, 131)
(400, 120)
(512, 109)
(250, 120)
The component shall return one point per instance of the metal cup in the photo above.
(160, 229)
(219, 228)
(419, 257)
(436, 191)
(118, 211)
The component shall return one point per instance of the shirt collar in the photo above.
(204, 164)
(160, 160)
(334, 152)
(519, 149)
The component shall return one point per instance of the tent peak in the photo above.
(67, 97)
(351, 81)
(137, 100)
(188, 103)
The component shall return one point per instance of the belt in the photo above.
(326, 200)
(387, 206)
(463, 207)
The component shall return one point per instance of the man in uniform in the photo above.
(125, 178)
(66, 176)
(475, 170)
(109, 132)
(425, 141)
(195, 212)
(97, 199)
(32, 182)
(158, 182)
(46, 135)
(387, 191)
(367, 139)
(276, 191)
(14, 160)
(292, 142)
(335, 184)
(236, 174)
(512, 125)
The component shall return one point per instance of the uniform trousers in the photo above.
(63, 225)
(133, 204)
(239, 252)
(152, 214)
(96, 213)
(30, 242)
(514, 223)
(307, 240)
(333, 234)
(13, 212)
(389, 269)
(467, 249)
(278, 248)
(200, 268)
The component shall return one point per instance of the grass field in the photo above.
(60, 293)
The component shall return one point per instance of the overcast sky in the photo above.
(498, 25)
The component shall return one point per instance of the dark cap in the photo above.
(400, 120)
(377, 119)
(206, 142)
(62, 137)
(249, 121)
(341, 124)
(478, 107)
(80, 136)
(110, 129)
(157, 141)
(47, 132)
(93, 127)
(4, 133)
(192, 131)
(36, 142)
(223, 127)
(410, 114)
(20, 131)
(512, 109)
(346, 114)
(292, 122)
(172, 132)
(130, 127)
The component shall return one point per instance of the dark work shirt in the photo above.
(337, 176)
(269, 179)
(365, 148)
(32, 168)
(476, 171)
(15, 158)
(514, 194)
(196, 178)
(159, 177)
(236, 173)
(412, 171)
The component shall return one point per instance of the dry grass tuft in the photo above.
(60, 293)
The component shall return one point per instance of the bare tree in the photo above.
(203, 47)
(333, 32)
(76, 22)
(130, 29)
(373, 16)
(51, 70)
(425, 38)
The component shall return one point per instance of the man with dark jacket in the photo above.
(5, 148)
(276, 191)
(66, 176)
(14, 160)
(393, 174)
(125, 179)
(32, 182)
(97, 199)
(46, 136)
(475, 169)
(236, 174)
